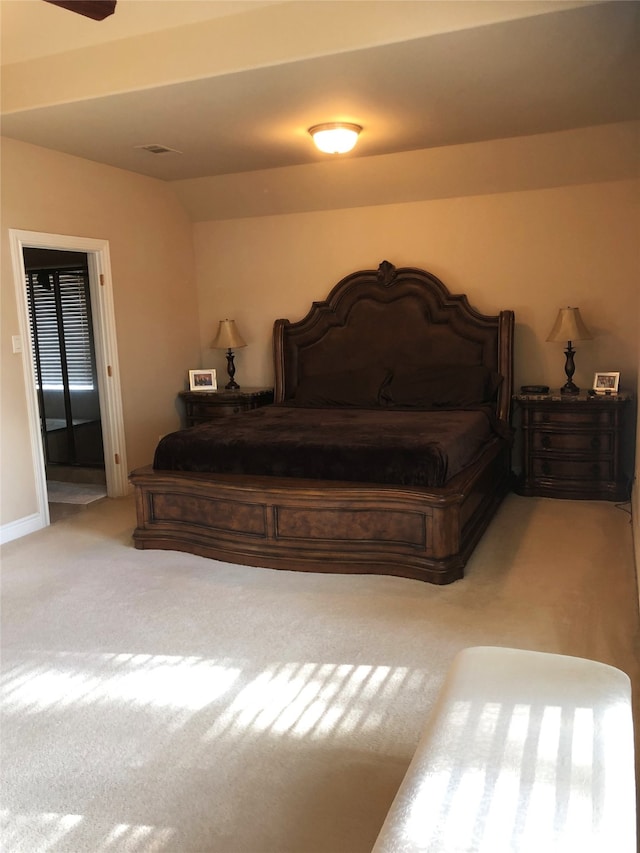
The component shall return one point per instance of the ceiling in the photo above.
(460, 74)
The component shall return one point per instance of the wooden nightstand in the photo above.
(572, 446)
(203, 406)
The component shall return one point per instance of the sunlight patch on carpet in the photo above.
(300, 700)
(45, 831)
(160, 681)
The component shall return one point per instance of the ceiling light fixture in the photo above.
(335, 137)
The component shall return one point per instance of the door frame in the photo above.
(108, 373)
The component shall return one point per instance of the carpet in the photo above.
(158, 701)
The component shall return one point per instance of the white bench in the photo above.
(525, 752)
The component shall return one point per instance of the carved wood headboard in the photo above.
(392, 316)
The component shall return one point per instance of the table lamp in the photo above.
(569, 327)
(229, 338)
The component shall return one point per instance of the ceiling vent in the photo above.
(158, 149)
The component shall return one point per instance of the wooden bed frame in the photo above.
(330, 526)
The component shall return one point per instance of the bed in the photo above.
(387, 449)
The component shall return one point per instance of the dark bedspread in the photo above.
(417, 448)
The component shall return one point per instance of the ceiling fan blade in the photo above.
(98, 10)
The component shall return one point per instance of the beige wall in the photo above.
(532, 251)
(150, 242)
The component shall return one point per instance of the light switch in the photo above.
(16, 342)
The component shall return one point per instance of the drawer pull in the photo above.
(595, 442)
(546, 441)
(546, 468)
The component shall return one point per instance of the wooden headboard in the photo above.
(392, 316)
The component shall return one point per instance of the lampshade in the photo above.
(569, 327)
(228, 336)
(335, 137)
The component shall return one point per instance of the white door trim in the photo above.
(104, 329)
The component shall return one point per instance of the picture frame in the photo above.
(203, 380)
(606, 383)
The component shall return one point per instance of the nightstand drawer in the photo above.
(587, 470)
(572, 446)
(576, 442)
(206, 412)
(589, 417)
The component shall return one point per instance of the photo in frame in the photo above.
(203, 380)
(606, 383)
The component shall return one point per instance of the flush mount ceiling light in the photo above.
(335, 137)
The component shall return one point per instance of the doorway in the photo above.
(65, 373)
(106, 411)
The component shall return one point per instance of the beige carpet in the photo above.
(156, 701)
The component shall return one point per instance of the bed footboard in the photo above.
(320, 526)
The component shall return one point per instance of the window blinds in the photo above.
(59, 316)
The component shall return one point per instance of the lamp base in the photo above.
(231, 385)
(569, 386)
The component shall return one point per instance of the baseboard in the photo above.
(21, 527)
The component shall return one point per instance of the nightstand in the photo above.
(203, 406)
(572, 446)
